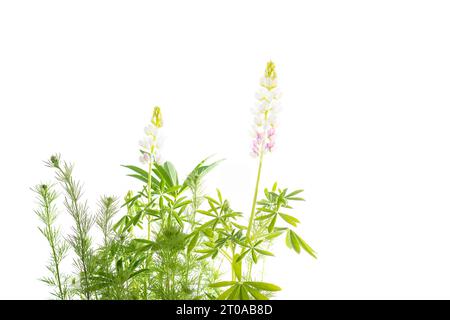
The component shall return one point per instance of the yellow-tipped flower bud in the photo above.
(157, 117)
(270, 71)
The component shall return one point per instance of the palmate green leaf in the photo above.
(226, 294)
(289, 219)
(255, 293)
(243, 290)
(263, 285)
(243, 293)
(235, 294)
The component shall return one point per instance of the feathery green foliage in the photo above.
(80, 240)
(47, 214)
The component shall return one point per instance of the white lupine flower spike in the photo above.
(150, 145)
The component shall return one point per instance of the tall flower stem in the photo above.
(150, 152)
(149, 201)
(149, 197)
(255, 197)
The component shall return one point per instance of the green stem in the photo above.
(149, 197)
(149, 200)
(233, 273)
(55, 259)
(51, 240)
(226, 255)
(252, 215)
(255, 197)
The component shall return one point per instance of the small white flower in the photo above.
(268, 83)
(151, 130)
(144, 158)
(146, 143)
(268, 95)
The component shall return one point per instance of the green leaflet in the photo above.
(294, 241)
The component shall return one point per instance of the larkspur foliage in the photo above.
(168, 239)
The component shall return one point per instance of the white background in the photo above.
(364, 128)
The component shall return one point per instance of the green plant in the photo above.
(244, 245)
(171, 209)
(167, 240)
(58, 246)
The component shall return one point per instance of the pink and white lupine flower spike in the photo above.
(265, 113)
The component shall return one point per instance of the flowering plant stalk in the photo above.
(247, 245)
(167, 240)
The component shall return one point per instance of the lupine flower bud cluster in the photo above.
(265, 112)
(150, 146)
